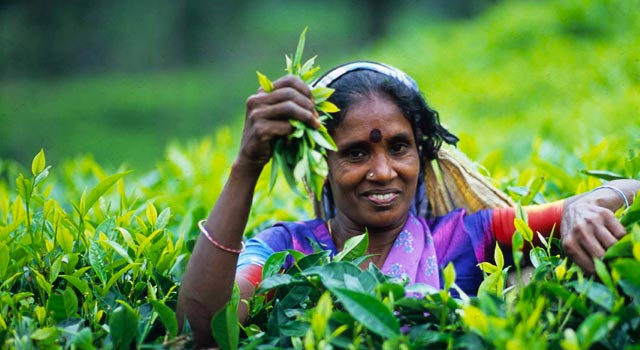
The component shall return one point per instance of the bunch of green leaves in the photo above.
(302, 155)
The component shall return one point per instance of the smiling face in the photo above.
(373, 175)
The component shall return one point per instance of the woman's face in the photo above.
(373, 175)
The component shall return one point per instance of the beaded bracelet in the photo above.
(617, 190)
(216, 243)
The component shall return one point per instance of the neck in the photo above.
(380, 238)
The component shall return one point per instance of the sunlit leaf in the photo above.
(100, 190)
(524, 229)
(354, 248)
(38, 163)
(265, 83)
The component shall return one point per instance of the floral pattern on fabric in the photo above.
(404, 240)
(432, 265)
(397, 270)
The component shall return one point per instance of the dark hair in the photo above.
(353, 86)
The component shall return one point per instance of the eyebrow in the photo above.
(403, 136)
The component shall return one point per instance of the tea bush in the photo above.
(92, 258)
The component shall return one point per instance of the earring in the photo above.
(370, 174)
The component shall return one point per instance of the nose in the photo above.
(382, 169)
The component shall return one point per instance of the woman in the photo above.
(385, 134)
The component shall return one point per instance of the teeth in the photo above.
(382, 197)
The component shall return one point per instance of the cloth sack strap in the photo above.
(452, 181)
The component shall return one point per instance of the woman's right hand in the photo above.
(267, 118)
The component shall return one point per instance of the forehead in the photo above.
(370, 113)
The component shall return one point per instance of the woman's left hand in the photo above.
(587, 231)
(589, 225)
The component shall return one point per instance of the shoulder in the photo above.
(285, 235)
(470, 221)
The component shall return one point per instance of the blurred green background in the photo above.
(122, 79)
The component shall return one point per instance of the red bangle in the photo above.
(216, 243)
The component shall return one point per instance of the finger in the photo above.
(284, 103)
(585, 262)
(605, 237)
(267, 130)
(614, 226)
(290, 94)
(576, 252)
(293, 82)
(287, 110)
(592, 245)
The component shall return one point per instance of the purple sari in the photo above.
(421, 250)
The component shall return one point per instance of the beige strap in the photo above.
(453, 181)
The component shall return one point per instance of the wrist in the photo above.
(609, 196)
(246, 168)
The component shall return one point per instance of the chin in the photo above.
(383, 220)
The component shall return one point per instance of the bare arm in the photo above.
(589, 225)
(208, 280)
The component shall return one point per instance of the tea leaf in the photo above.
(83, 339)
(354, 248)
(43, 334)
(38, 163)
(524, 229)
(603, 274)
(449, 274)
(123, 325)
(61, 306)
(595, 327)
(118, 249)
(4, 260)
(97, 259)
(167, 316)
(308, 66)
(80, 285)
(327, 107)
(100, 190)
(498, 257)
(603, 174)
(265, 83)
(41, 176)
(369, 311)
(152, 214)
(42, 282)
(321, 94)
(274, 263)
(163, 218)
(225, 327)
(324, 140)
(297, 58)
(117, 276)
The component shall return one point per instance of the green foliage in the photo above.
(90, 260)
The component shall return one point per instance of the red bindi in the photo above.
(375, 136)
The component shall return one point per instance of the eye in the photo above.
(355, 154)
(399, 148)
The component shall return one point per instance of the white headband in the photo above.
(334, 74)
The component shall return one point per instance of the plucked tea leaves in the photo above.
(302, 155)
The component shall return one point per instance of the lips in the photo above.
(382, 197)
